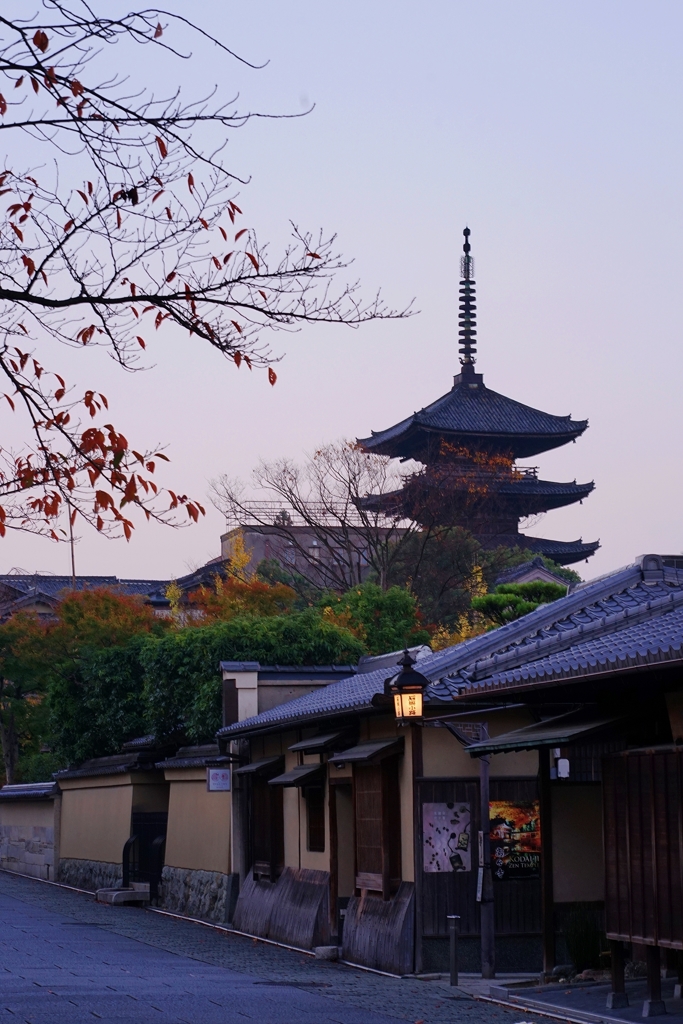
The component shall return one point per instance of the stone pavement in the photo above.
(65, 958)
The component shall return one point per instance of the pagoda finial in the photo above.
(467, 316)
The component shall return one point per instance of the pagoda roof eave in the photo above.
(476, 417)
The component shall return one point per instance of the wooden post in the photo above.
(488, 928)
(416, 747)
(617, 998)
(654, 1004)
(547, 895)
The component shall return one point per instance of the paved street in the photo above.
(65, 958)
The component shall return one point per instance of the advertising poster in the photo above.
(446, 837)
(515, 839)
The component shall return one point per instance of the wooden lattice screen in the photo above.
(643, 835)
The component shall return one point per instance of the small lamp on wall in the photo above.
(407, 688)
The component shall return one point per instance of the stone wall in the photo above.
(206, 895)
(28, 849)
(89, 874)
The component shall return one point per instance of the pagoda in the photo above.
(468, 442)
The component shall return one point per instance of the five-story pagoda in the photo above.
(468, 442)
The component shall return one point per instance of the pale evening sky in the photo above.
(554, 131)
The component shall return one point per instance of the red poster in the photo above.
(515, 839)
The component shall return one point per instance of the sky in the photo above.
(554, 132)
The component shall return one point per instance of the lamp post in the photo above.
(407, 688)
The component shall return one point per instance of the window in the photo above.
(230, 712)
(315, 818)
(315, 552)
(289, 556)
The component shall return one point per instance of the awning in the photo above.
(300, 775)
(373, 750)
(318, 744)
(554, 732)
(261, 767)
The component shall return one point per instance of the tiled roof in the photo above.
(632, 616)
(54, 585)
(479, 412)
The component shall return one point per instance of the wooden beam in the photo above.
(417, 769)
(547, 894)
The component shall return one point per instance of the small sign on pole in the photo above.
(218, 780)
(480, 883)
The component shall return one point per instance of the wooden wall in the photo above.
(643, 825)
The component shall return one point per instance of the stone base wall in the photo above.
(89, 874)
(28, 849)
(206, 895)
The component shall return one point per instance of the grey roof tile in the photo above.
(615, 621)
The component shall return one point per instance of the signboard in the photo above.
(446, 837)
(218, 780)
(515, 831)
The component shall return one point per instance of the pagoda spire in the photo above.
(467, 318)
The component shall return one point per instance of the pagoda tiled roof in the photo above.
(631, 618)
(474, 415)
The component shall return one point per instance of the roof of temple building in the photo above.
(474, 417)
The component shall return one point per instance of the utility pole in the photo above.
(488, 933)
(71, 542)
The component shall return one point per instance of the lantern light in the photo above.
(407, 688)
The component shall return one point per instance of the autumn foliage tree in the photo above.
(137, 231)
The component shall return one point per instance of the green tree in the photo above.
(385, 620)
(511, 601)
(183, 685)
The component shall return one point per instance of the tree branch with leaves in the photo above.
(135, 230)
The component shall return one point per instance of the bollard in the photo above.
(453, 937)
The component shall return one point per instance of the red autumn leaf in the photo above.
(156, 195)
(168, 213)
(237, 356)
(90, 188)
(11, 403)
(40, 40)
(254, 261)
(314, 255)
(141, 341)
(234, 206)
(190, 182)
(204, 223)
(35, 85)
(170, 277)
(226, 258)
(240, 233)
(118, 218)
(222, 230)
(127, 527)
(17, 232)
(248, 361)
(158, 31)
(262, 294)
(217, 263)
(272, 376)
(100, 523)
(76, 88)
(83, 196)
(18, 82)
(68, 226)
(72, 517)
(162, 147)
(3, 104)
(236, 326)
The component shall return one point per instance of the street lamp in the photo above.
(407, 688)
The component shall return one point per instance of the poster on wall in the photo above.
(515, 839)
(446, 837)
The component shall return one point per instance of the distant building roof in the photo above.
(630, 618)
(530, 572)
(20, 591)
